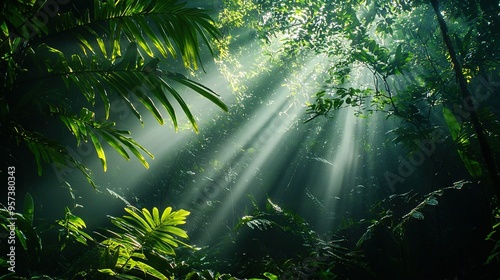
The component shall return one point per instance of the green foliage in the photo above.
(398, 222)
(142, 246)
(48, 151)
(143, 236)
(461, 138)
(274, 217)
(494, 236)
(24, 228)
(41, 74)
(403, 221)
(320, 258)
(341, 98)
(251, 222)
(270, 276)
(148, 230)
(208, 275)
(72, 227)
(84, 126)
(382, 56)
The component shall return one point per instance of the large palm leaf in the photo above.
(142, 233)
(138, 36)
(152, 231)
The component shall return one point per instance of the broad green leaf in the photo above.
(133, 32)
(34, 149)
(455, 128)
(21, 237)
(150, 270)
(102, 45)
(149, 104)
(270, 276)
(152, 36)
(129, 60)
(175, 230)
(148, 217)
(452, 123)
(104, 96)
(114, 259)
(119, 88)
(158, 92)
(84, 42)
(165, 30)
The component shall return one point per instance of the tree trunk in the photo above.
(486, 151)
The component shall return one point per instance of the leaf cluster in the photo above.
(142, 245)
(116, 51)
(396, 220)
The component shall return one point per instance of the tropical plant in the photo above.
(25, 234)
(72, 227)
(50, 51)
(34, 238)
(142, 244)
(319, 257)
(144, 237)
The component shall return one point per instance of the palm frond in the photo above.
(72, 227)
(49, 151)
(164, 27)
(126, 77)
(142, 233)
(125, 64)
(121, 262)
(84, 127)
(24, 229)
(153, 231)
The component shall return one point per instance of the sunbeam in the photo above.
(231, 139)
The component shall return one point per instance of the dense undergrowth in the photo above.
(405, 236)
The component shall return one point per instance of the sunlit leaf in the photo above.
(183, 105)
(131, 145)
(113, 142)
(270, 276)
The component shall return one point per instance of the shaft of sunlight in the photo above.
(254, 147)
